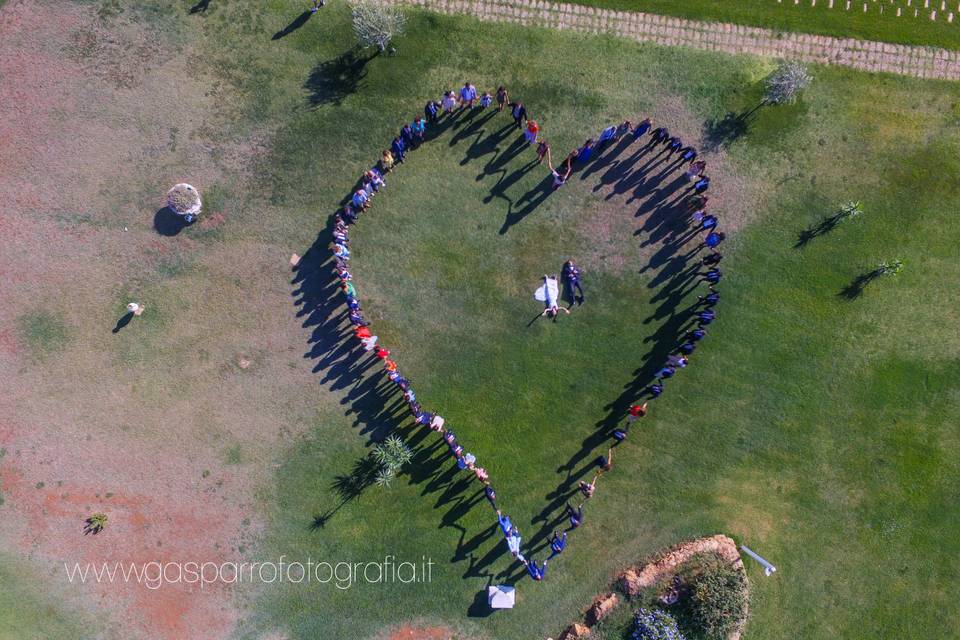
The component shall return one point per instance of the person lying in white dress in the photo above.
(549, 295)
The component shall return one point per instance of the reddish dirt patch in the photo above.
(172, 524)
(409, 632)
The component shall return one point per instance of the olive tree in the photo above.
(786, 81)
(376, 23)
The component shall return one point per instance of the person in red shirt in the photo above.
(382, 353)
(362, 332)
(637, 411)
(532, 130)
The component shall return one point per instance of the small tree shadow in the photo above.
(333, 80)
(723, 132)
(855, 289)
(293, 26)
(200, 7)
(825, 226)
(168, 223)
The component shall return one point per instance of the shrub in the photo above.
(718, 600)
(655, 625)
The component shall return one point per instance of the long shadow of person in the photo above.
(293, 26)
(533, 198)
(200, 7)
(123, 321)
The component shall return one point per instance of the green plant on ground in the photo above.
(890, 268)
(391, 455)
(849, 210)
(95, 523)
(713, 597)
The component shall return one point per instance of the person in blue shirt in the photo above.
(584, 153)
(709, 222)
(537, 573)
(666, 372)
(689, 154)
(710, 299)
(504, 522)
(696, 335)
(398, 148)
(674, 144)
(419, 127)
(406, 134)
(576, 515)
(641, 128)
(557, 544)
(431, 111)
(713, 239)
(491, 496)
(655, 389)
(687, 348)
(706, 317)
(606, 136)
(468, 94)
(660, 135)
(702, 184)
(466, 460)
(713, 275)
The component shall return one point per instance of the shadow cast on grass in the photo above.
(855, 289)
(298, 22)
(168, 223)
(723, 132)
(331, 81)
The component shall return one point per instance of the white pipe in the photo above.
(767, 567)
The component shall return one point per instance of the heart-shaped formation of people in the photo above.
(411, 136)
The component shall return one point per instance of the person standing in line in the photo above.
(557, 544)
(398, 149)
(502, 98)
(641, 128)
(537, 573)
(576, 515)
(606, 462)
(589, 488)
(530, 135)
(491, 496)
(637, 411)
(519, 113)
(431, 111)
(468, 95)
(543, 151)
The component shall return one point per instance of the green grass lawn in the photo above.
(819, 19)
(817, 429)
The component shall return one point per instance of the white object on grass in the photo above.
(768, 568)
(501, 596)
